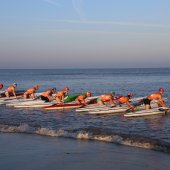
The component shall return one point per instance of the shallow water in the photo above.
(34, 152)
(147, 132)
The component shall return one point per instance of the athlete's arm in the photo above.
(14, 93)
(161, 101)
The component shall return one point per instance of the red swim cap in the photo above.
(161, 89)
(1, 86)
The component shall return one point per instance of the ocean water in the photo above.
(146, 132)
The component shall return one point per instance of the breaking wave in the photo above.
(90, 134)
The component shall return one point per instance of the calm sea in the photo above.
(147, 132)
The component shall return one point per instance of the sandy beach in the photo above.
(30, 152)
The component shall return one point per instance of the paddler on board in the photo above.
(10, 91)
(106, 99)
(30, 93)
(81, 99)
(48, 95)
(126, 100)
(155, 96)
(60, 95)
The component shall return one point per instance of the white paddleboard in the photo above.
(32, 102)
(16, 102)
(109, 110)
(6, 99)
(13, 99)
(150, 112)
(89, 108)
(36, 105)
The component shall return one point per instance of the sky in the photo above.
(84, 34)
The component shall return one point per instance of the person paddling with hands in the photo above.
(125, 100)
(11, 91)
(48, 95)
(81, 99)
(106, 99)
(60, 95)
(30, 93)
(155, 96)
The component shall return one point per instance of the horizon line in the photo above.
(84, 68)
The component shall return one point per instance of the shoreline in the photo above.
(32, 152)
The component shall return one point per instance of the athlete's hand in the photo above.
(132, 108)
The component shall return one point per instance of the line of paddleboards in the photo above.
(12, 101)
(68, 98)
(51, 105)
(107, 109)
(71, 105)
(90, 109)
(30, 103)
(138, 113)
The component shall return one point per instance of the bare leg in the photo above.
(58, 100)
(100, 103)
(112, 103)
(7, 94)
(147, 107)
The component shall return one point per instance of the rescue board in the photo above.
(63, 106)
(150, 112)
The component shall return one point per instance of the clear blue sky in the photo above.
(84, 33)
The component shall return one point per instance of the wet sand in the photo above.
(31, 152)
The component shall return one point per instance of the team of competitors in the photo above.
(104, 99)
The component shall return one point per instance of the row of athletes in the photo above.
(47, 96)
(111, 98)
(101, 100)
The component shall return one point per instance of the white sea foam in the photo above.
(48, 132)
(84, 135)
